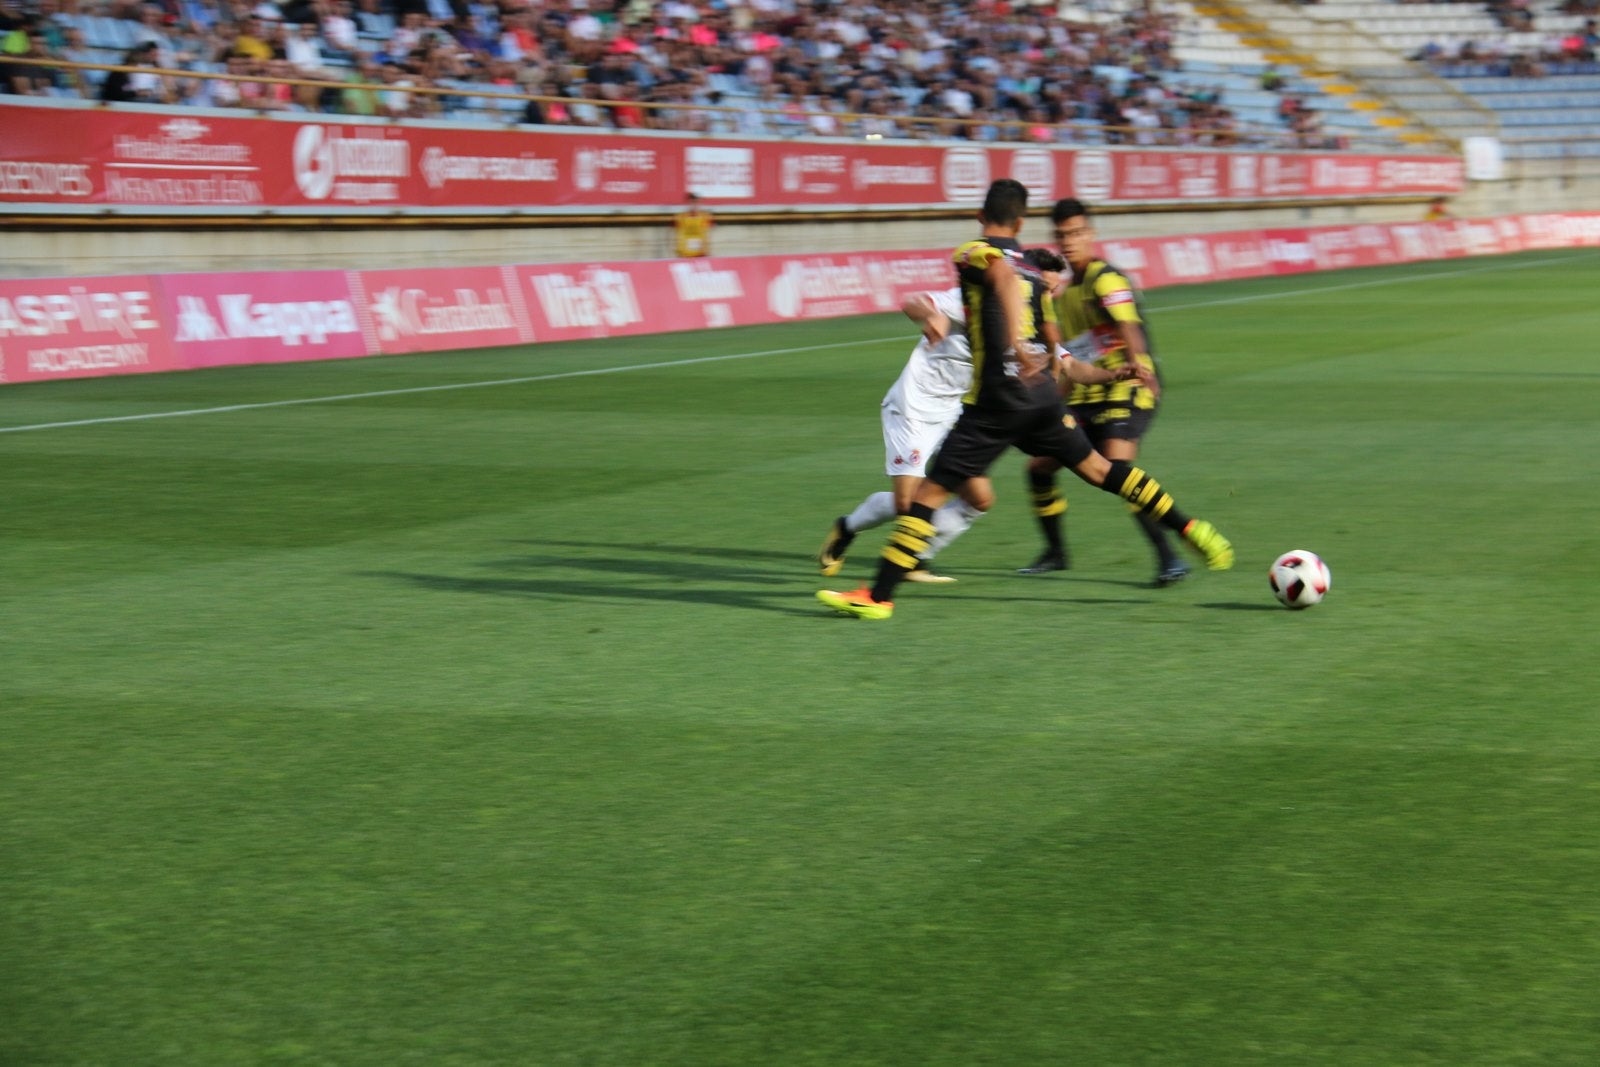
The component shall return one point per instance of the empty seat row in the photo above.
(1588, 117)
(1551, 149)
(1534, 100)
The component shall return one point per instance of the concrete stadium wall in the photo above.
(170, 248)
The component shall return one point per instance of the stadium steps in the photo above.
(1359, 38)
(1275, 37)
(1554, 117)
(1551, 117)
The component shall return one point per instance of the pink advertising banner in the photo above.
(82, 328)
(609, 300)
(264, 317)
(426, 310)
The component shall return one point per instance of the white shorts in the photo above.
(908, 444)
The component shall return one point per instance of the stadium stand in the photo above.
(1523, 71)
(1327, 74)
(1096, 71)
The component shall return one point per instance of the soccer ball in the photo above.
(1299, 578)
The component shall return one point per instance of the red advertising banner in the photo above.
(1289, 250)
(199, 161)
(82, 328)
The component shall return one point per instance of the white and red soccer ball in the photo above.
(1299, 579)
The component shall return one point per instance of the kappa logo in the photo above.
(241, 315)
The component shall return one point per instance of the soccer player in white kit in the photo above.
(917, 412)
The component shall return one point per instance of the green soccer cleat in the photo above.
(1211, 544)
(831, 557)
(859, 603)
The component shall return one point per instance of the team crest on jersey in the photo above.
(1069, 422)
(916, 456)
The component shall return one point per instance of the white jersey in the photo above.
(936, 376)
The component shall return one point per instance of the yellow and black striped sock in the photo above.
(912, 531)
(1144, 493)
(1048, 505)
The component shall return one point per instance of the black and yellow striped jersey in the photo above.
(1089, 309)
(995, 377)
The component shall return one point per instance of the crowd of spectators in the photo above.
(1561, 52)
(1508, 53)
(978, 69)
(990, 69)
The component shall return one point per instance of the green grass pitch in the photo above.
(498, 725)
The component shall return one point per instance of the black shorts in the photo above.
(1113, 421)
(981, 434)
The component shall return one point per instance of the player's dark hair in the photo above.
(1070, 208)
(1006, 202)
(1043, 259)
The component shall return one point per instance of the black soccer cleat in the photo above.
(1050, 561)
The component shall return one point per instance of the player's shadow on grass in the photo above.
(1057, 579)
(701, 572)
(637, 571)
(698, 551)
(569, 589)
(1064, 601)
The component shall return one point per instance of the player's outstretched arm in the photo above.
(1077, 372)
(920, 309)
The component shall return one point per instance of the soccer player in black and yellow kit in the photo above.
(1101, 317)
(1014, 400)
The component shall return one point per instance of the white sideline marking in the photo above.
(438, 388)
(1361, 285)
(1167, 309)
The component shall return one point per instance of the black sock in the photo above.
(912, 532)
(1157, 537)
(1048, 507)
